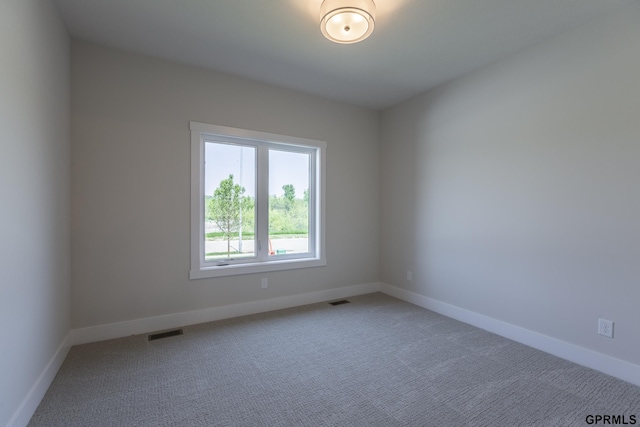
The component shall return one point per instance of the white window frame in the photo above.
(263, 262)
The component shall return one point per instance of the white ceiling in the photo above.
(416, 45)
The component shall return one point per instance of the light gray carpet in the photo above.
(375, 362)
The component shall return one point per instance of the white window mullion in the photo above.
(262, 196)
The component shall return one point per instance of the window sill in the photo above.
(258, 267)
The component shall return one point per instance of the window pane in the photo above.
(230, 194)
(288, 202)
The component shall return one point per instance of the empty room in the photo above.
(320, 212)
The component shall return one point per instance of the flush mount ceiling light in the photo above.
(347, 21)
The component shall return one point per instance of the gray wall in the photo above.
(34, 190)
(131, 181)
(513, 191)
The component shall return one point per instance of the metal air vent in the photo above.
(167, 334)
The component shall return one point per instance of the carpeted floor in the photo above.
(375, 362)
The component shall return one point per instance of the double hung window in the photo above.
(257, 201)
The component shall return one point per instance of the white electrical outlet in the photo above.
(264, 282)
(410, 276)
(605, 327)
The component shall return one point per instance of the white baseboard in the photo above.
(30, 403)
(601, 362)
(175, 320)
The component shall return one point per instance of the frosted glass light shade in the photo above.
(347, 21)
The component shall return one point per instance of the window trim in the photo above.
(200, 132)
